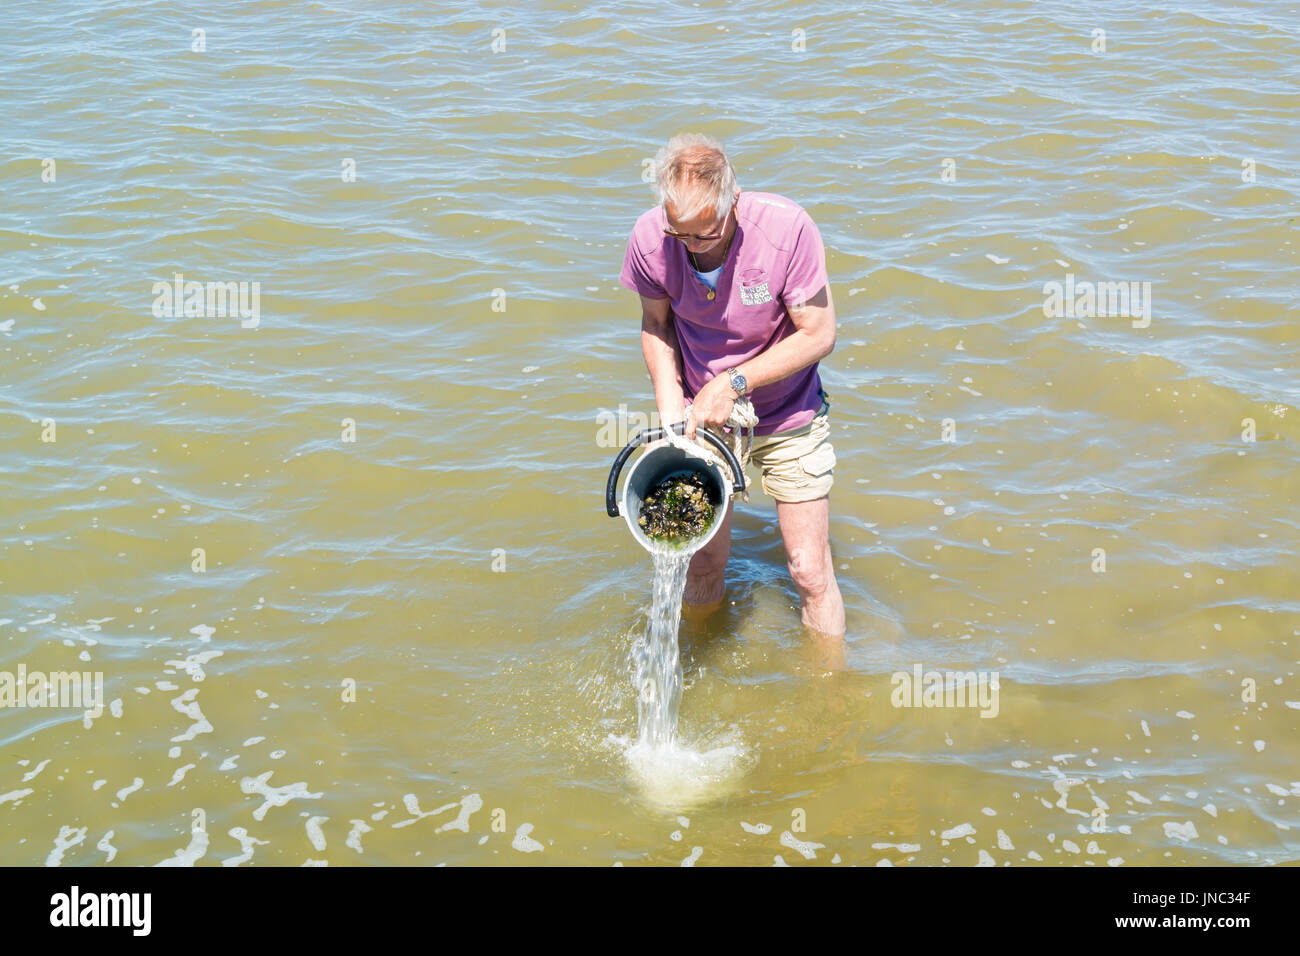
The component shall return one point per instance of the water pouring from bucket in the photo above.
(644, 495)
(671, 486)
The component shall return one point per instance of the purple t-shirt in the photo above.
(776, 258)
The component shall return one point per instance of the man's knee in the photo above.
(710, 561)
(810, 570)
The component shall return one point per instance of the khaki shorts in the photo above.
(797, 464)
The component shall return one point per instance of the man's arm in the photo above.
(812, 341)
(663, 359)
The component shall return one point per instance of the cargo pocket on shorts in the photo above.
(818, 463)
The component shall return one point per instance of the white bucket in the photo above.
(666, 461)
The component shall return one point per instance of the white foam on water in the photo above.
(15, 795)
(696, 853)
(412, 805)
(197, 850)
(315, 834)
(808, 850)
(125, 792)
(68, 838)
(246, 844)
(32, 773)
(678, 775)
(758, 828)
(1180, 831)
(523, 842)
(187, 705)
(469, 804)
(193, 665)
(180, 773)
(106, 847)
(353, 841)
(1062, 785)
(274, 796)
(957, 832)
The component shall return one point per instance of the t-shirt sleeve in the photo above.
(806, 275)
(636, 273)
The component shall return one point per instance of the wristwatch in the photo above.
(738, 382)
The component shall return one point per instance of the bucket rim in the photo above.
(699, 464)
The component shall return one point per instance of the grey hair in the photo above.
(695, 167)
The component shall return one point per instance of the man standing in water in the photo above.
(735, 301)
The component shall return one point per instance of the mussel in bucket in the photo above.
(677, 509)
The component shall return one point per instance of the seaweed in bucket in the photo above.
(677, 509)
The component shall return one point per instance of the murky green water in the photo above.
(435, 617)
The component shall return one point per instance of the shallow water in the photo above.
(412, 647)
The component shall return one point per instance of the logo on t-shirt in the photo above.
(753, 287)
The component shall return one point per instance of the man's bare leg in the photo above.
(706, 577)
(805, 528)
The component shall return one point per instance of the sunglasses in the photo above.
(690, 235)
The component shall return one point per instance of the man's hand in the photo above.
(713, 404)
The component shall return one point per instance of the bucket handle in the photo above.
(652, 434)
